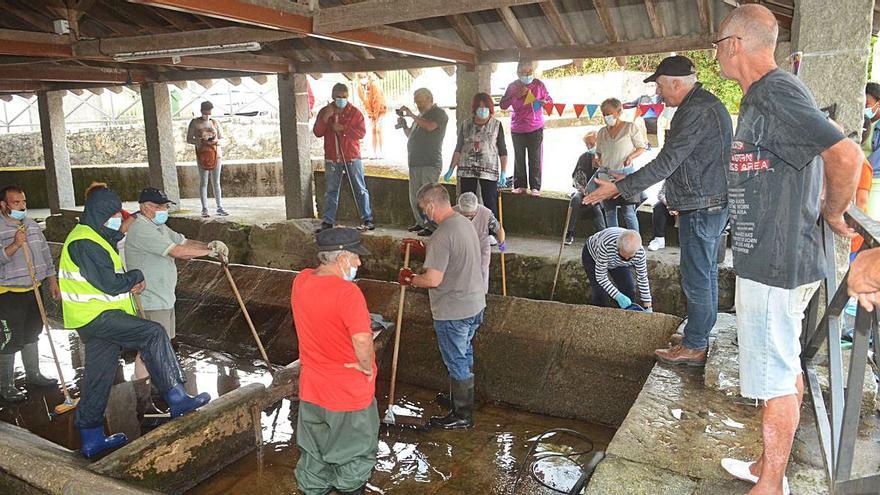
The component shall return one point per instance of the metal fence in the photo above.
(838, 413)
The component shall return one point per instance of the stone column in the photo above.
(836, 46)
(59, 179)
(160, 139)
(296, 164)
(468, 82)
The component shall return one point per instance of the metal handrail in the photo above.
(837, 423)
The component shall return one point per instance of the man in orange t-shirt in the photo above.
(337, 428)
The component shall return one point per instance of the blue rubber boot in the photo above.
(94, 442)
(181, 403)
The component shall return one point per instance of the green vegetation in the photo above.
(708, 72)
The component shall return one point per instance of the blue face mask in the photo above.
(114, 223)
(869, 112)
(526, 79)
(161, 217)
(340, 102)
(18, 214)
(482, 113)
(352, 273)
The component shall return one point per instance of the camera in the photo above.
(399, 112)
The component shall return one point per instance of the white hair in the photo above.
(329, 257)
(531, 64)
(629, 242)
(687, 81)
(423, 92)
(467, 202)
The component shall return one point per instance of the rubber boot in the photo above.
(462, 414)
(8, 392)
(30, 356)
(94, 441)
(445, 399)
(181, 403)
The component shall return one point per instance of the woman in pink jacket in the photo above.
(526, 127)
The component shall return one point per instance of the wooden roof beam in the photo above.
(466, 31)
(656, 23)
(408, 43)
(619, 49)
(184, 39)
(705, 15)
(73, 74)
(555, 19)
(373, 13)
(604, 14)
(398, 63)
(514, 27)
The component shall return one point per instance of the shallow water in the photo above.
(482, 460)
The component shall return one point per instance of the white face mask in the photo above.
(610, 120)
(352, 272)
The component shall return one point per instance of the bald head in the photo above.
(628, 244)
(755, 25)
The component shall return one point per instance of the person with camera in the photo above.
(424, 150)
(204, 133)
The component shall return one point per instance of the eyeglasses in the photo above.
(717, 42)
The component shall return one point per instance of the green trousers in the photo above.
(337, 449)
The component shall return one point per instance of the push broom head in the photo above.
(66, 406)
(403, 421)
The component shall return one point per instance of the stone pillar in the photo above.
(160, 139)
(296, 164)
(468, 82)
(836, 46)
(59, 179)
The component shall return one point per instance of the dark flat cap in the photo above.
(674, 66)
(341, 239)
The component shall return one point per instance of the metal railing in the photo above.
(838, 414)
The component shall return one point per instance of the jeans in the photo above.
(629, 213)
(488, 191)
(699, 237)
(418, 177)
(215, 182)
(455, 338)
(333, 174)
(577, 209)
(621, 277)
(533, 144)
(661, 219)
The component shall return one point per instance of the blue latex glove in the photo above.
(448, 176)
(649, 310)
(502, 246)
(622, 300)
(502, 179)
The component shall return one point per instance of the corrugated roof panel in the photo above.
(492, 31)
(538, 30)
(587, 27)
(631, 21)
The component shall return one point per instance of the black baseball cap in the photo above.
(153, 195)
(341, 239)
(673, 66)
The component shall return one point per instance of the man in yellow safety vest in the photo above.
(97, 302)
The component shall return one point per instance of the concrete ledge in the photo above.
(31, 465)
(178, 455)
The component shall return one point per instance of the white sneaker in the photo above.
(657, 243)
(493, 241)
(741, 470)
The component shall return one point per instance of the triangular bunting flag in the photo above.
(658, 108)
(642, 110)
(536, 106)
(530, 98)
(591, 110)
(548, 108)
(578, 109)
(559, 108)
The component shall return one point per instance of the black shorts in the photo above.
(20, 321)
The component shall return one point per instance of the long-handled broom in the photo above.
(69, 403)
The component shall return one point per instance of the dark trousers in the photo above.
(531, 143)
(20, 321)
(488, 190)
(103, 339)
(578, 208)
(621, 277)
(661, 219)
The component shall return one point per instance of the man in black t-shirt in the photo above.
(424, 151)
(783, 150)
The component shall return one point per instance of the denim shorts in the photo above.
(769, 321)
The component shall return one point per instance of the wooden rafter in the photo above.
(656, 24)
(555, 19)
(76, 74)
(373, 13)
(398, 63)
(705, 15)
(184, 39)
(513, 26)
(619, 49)
(466, 31)
(604, 14)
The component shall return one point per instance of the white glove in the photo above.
(219, 250)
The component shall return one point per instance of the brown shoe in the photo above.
(675, 339)
(680, 354)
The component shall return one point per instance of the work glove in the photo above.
(405, 276)
(622, 300)
(448, 176)
(219, 250)
(502, 246)
(416, 247)
(502, 179)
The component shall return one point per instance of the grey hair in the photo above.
(467, 202)
(629, 241)
(688, 80)
(756, 25)
(531, 64)
(329, 257)
(434, 192)
(611, 104)
(423, 92)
